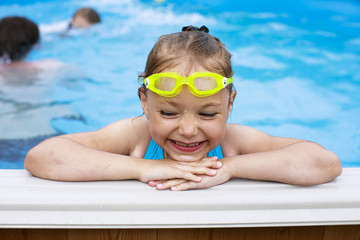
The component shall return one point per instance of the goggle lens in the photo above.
(165, 83)
(205, 83)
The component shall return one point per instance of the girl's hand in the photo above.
(165, 169)
(223, 175)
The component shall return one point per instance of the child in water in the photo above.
(84, 18)
(187, 96)
(18, 36)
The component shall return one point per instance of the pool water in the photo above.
(296, 63)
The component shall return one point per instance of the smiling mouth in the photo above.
(187, 147)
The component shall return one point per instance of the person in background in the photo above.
(84, 18)
(18, 35)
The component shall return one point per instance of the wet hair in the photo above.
(191, 48)
(194, 48)
(17, 37)
(89, 14)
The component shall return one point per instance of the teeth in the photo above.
(187, 145)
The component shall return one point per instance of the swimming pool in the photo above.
(297, 68)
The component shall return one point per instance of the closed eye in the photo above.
(167, 113)
(208, 115)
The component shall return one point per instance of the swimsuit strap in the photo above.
(154, 151)
(216, 152)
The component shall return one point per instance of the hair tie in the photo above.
(192, 28)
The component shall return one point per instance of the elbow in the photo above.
(45, 160)
(334, 167)
(323, 168)
(35, 161)
(31, 163)
(328, 168)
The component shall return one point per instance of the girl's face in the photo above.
(185, 126)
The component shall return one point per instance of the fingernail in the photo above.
(159, 185)
(173, 188)
(212, 171)
(198, 178)
(219, 164)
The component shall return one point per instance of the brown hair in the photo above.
(89, 14)
(17, 37)
(189, 47)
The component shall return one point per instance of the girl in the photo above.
(186, 97)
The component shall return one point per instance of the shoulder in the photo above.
(235, 140)
(240, 139)
(140, 140)
(40, 64)
(46, 64)
(23, 71)
(132, 130)
(132, 133)
(128, 137)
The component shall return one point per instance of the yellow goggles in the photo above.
(201, 84)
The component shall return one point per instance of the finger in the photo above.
(184, 186)
(181, 172)
(153, 183)
(209, 162)
(205, 162)
(187, 175)
(202, 171)
(187, 171)
(212, 163)
(169, 184)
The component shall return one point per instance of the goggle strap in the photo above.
(225, 82)
(146, 82)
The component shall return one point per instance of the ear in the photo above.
(231, 101)
(143, 100)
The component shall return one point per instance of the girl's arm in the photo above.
(62, 158)
(85, 156)
(252, 154)
(300, 163)
(264, 157)
(112, 153)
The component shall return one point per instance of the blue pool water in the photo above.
(297, 66)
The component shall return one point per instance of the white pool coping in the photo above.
(30, 202)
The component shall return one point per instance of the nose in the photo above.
(188, 125)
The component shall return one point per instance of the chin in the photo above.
(187, 158)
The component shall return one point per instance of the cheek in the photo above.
(215, 131)
(154, 128)
(159, 129)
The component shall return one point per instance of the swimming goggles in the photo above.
(201, 84)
